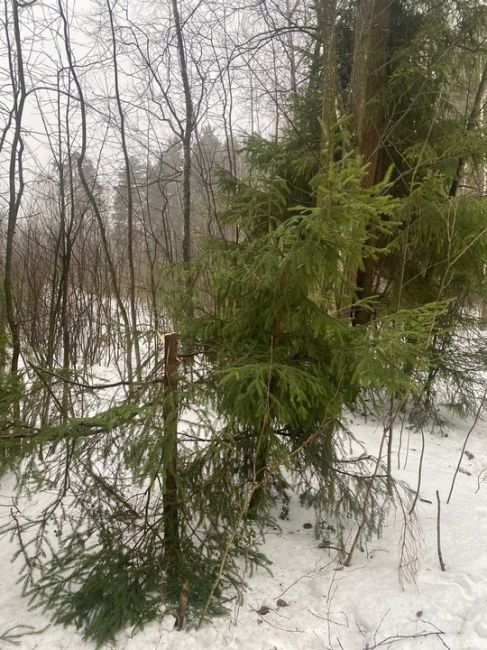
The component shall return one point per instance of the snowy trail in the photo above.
(346, 609)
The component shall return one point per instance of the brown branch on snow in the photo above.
(474, 424)
(438, 529)
(389, 640)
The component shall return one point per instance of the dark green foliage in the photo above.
(101, 590)
(12, 390)
(95, 556)
(283, 359)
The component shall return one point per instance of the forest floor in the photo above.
(323, 605)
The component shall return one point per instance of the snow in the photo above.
(324, 605)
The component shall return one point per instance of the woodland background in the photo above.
(223, 231)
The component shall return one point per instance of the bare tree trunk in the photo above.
(91, 197)
(369, 77)
(327, 11)
(130, 208)
(186, 136)
(473, 121)
(291, 49)
(3, 315)
(3, 318)
(66, 265)
(170, 497)
(16, 180)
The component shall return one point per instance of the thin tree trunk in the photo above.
(186, 136)
(16, 181)
(291, 49)
(473, 121)
(264, 434)
(91, 197)
(130, 208)
(170, 496)
(327, 12)
(3, 319)
(438, 532)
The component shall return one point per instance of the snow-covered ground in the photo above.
(323, 605)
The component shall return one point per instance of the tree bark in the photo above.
(170, 464)
(371, 54)
(186, 136)
(89, 193)
(130, 202)
(16, 180)
(473, 122)
(327, 12)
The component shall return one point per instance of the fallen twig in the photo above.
(395, 638)
(438, 538)
(474, 424)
